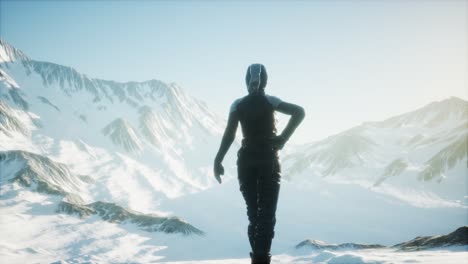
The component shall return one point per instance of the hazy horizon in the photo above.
(346, 63)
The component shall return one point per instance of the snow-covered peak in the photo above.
(123, 134)
(433, 114)
(9, 53)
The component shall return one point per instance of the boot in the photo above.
(260, 258)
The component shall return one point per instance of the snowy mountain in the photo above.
(101, 147)
(95, 170)
(150, 131)
(423, 152)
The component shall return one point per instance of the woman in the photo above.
(258, 165)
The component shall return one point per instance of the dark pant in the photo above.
(259, 176)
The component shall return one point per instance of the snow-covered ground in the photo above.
(455, 255)
(32, 229)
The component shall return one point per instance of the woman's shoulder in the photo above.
(236, 103)
(273, 100)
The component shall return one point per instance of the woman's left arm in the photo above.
(228, 138)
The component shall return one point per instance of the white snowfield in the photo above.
(355, 257)
(96, 171)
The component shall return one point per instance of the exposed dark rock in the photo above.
(316, 244)
(18, 98)
(47, 102)
(116, 214)
(445, 159)
(457, 237)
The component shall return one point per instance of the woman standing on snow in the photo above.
(258, 165)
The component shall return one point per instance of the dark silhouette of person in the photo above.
(258, 167)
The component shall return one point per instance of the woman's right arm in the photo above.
(297, 114)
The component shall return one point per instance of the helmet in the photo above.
(256, 78)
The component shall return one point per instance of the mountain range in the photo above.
(120, 163)
(421, 152)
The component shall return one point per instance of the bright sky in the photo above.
(345, 62)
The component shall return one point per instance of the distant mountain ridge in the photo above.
(157, 127)
(458, 237)
(425, 150)
(160, 130)
(320, 245)
(57, 125)
(154, 124)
